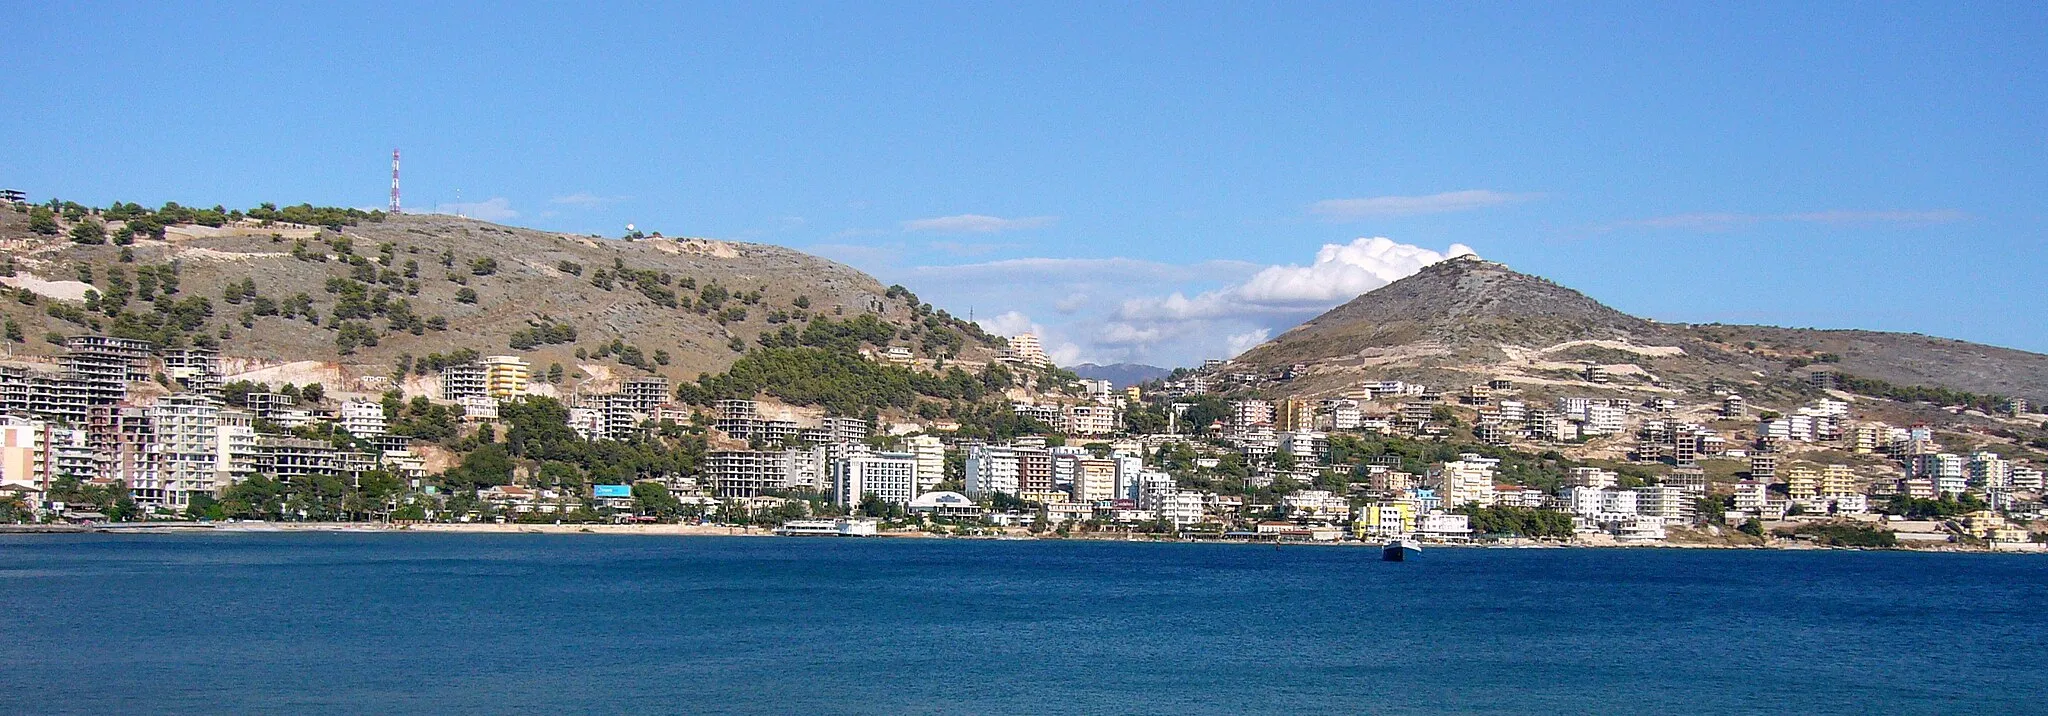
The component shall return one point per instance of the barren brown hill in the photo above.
(1470, 319)
(466, 284)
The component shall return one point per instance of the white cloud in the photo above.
(1444, 203)
(976, 223)
(1109, 310)
(1247, 340)
(1014, 323)
(1006, 324)
(496, 208)
(1340, 272)
(587, 200)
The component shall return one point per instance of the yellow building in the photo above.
(1294, 414)
(1095, 480)
(505, 376)
(1868, 438)
(1803, 483)
(1838, 481)
(1384, 519)
(1133, 394)
(24, 453)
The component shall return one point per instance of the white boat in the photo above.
(1400, 550)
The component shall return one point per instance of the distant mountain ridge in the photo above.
(1472, 318)
(1121, 375)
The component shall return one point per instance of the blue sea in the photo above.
(399, 623)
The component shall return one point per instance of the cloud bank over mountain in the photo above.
(1110, 310)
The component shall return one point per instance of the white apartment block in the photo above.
(1090, 419)
(931, 460)
(1672, 505)
(990, 469)
(889, 476)
(1605, 420)
(363, 418)
(187, 435)
(1469, 479)
(1182, 508)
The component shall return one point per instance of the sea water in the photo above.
(435, 623)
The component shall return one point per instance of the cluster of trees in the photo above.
(627, 354)
(822, 332)
(110, 500)
(420, 418)
(1920, 508)
(1842, 534)
(1920, 393)
(544, 334)
(113, 294)
(839, 380)
(332, 217)
(434, 362)
(316, 498)
(1521, 521)
(236, 393)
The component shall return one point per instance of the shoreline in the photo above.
(688, 530)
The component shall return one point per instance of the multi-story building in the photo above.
(644, 394)
(1469, 479)
(1592, 477)
(363, 418)
(1604, 420)
(891, 476)
(1024, 348)
(124, 443)
(1763, 467)
(105, 366)
(468, 380)
(990, 469)
(1094, 480)
(1090, 419)
(1294, 414)
(1037, 471)
(1382, 520)
(235, 452)
(71, 454)
(187, 438)
(505, 377)
(1248, 413)
(25, 453)
(1752, 497)
(931, 460)
(1733, 407)
(1802, 484)
(43, 393)
(197, 369)
(290, 459)
(1690, 479)
(744, 473)
(1672, 505)
(1182, 508)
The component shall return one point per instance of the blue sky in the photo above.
(1074, 167)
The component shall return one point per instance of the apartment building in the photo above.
(991, 469)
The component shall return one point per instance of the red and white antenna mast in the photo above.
(394, 183)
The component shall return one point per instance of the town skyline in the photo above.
(1778, 172)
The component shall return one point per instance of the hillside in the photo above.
(378, 290)
(1467, 319)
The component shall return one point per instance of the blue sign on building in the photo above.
(611, 490)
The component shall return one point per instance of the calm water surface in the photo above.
(336, 623)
